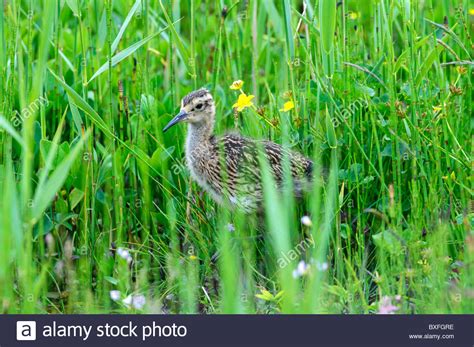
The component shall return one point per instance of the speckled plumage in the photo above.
(228, 166)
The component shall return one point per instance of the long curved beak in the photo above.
(178, 118)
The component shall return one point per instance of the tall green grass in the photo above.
(94, 198)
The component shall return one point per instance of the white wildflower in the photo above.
(139, 301)
(127, 301)
(305, 220)
(322, 266)
(301, 269)
(386, 306)
(115, 295)
(124, 254)
(135, 301)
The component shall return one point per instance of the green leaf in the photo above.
(76, 117)
(83, 105)
(126, 53)
(387, 242)
(123, 54)
(3, 56)
(124, 25)
(265, 295)
(10, 219)
(52, 151)
(402, 150)
(75, 197)
(4, 124)
(327, 19)
(156, 160)
(72, 4)
(274, 16)
(102, 30)
(288, 30)
(99, 122)
(450, 31)
(179, 44)
(112, 280)
(279, 295)
(427, 63)
(46, 191)
(46, 227)
(330, 132)
(365, 89)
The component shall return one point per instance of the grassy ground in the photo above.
(97, 210)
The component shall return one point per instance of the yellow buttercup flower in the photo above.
(243, 102)
(471, 11)
(236, 85)
(353, 15)
(193, 257)
(289, 105)
(436, 109)
(452, 176)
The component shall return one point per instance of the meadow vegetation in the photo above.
(97, 210)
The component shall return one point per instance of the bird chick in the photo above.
(228, 167)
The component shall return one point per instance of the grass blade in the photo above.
(427, 63)
(76, 117)
(179, 43)
(125, 54)
(327, 18)
(45, 192)
(288, 30)
(124, 25)
(83, 105)
(52, 153)
(11, 130)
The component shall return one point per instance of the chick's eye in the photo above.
(199, 106)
